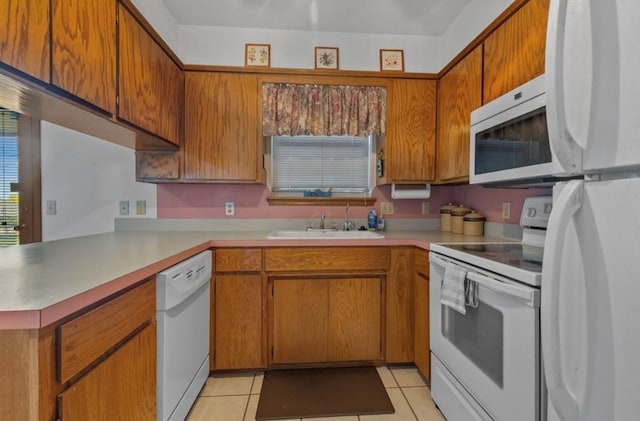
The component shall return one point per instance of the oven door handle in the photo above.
(528, 295)
(525, 294)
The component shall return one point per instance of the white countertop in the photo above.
(43, 282)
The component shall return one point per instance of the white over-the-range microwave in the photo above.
(510, 140)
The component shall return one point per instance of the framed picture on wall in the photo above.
(392, 60)
(257, 55)
(326, 58)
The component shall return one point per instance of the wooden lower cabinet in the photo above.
(105, 356)
(238, 322)
(326, 319)
(122, 387)
(421, 312)
(399, 307)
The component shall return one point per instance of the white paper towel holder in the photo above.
(411, 191)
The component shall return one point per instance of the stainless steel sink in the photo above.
(322, 235)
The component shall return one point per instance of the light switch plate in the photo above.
(124, 207)
(425, 208)
(506, 210)
(141, 207)
(51, 207)
(386, 208)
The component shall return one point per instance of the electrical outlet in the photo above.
(425, 208)
(506, 210)
(229, 208)
(141, 207)
(386, 208)
(124, 207)
(51, 207)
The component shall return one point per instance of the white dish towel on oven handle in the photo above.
(452, 292)
(457, 291)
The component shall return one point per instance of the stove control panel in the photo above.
(536, 211)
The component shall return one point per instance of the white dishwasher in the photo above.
(182, 311)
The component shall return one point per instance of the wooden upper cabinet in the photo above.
(222, 127)
(409, 147)
(150, 83)
(24, 36)
(514, 52)
(84, 50)
(460, 92)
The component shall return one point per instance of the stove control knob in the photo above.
(531, 212)
(547, 208)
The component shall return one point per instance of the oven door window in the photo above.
(520, 142)
(479, 336)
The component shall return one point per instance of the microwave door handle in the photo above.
(521, 293)
(567, 204)
(563, 143)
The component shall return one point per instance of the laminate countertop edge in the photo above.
(43, 283)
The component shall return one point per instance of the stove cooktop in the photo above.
(514, 260)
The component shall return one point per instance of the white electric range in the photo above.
(486, 362)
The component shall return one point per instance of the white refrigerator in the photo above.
(590, 323)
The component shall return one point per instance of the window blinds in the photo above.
(341, 163)
(8, 178)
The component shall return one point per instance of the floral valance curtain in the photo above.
(322, 110)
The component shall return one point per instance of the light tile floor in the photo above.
(234, 397)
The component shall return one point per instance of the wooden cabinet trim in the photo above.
(238, 260)
(86, 338)
(326, 258)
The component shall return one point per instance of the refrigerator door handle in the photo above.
(563, 143)
(564, 208)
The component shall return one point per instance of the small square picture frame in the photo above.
(392, 60)
(327, 58)
(257, 55)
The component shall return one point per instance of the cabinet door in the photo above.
(150, 84)
(84, 50)
(25, 37)
(410, 134)
(238, 322)
(222, 127)
(514, 52)
(460, 93)
(122, 387)
(421, 312)
(300, 320)
(354, 319)
(400, 322)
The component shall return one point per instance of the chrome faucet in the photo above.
(347, 223)
(322, 221)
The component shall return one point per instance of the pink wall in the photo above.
(488, 201)
(207, 201)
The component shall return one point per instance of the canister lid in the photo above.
(461, 210)
(447, 208)
(474, 216)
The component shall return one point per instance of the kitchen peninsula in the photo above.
(51, 288)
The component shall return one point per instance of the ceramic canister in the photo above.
(457, 221)
(473, 223)
(445, 217)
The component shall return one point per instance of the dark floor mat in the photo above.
(322, 392)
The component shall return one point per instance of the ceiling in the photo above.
(395, 17)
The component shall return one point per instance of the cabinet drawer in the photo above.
(238, 260)
(87, 337)
(331, 258)
(421, 259)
